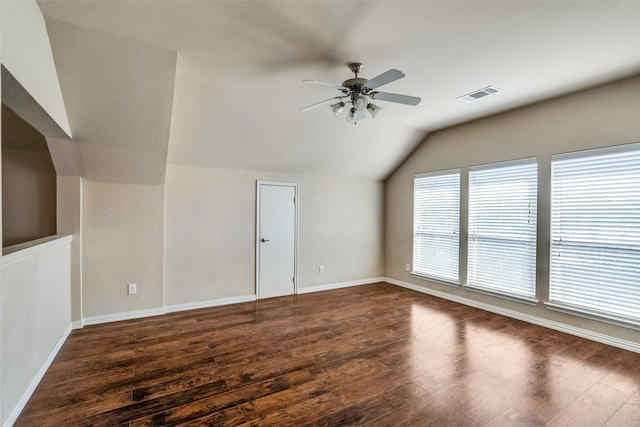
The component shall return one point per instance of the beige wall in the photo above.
(209, 238)
(602, 116)
(122, 243)
(28, 196)
(210, 231)
(29, 200)
(69, 222)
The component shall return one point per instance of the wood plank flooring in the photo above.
(375, 355)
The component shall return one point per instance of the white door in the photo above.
(276, 235)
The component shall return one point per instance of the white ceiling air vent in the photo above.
(480, 93)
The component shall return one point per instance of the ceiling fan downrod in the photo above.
(356, 84)
(356, 67)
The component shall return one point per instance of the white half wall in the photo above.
(36, 316)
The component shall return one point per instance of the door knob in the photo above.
(263, 240)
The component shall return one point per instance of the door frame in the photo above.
(295, 186)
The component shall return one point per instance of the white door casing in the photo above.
(276, 238)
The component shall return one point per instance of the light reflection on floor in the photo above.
(483, 364)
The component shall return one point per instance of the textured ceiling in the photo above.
(240, 65)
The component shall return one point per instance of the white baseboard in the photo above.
(339, 285)
(77, 324)
(557, 326)
(15, 412)
(137, 314)
(94, 320)
(209, 303)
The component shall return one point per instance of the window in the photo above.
(502, 228)
(436, 225)
(595, 232)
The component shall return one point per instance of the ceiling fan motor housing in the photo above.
(355, 84)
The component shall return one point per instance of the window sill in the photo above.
(586, 313)
(437, 280)
(511, 297)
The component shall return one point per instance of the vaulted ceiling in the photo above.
(219, 83)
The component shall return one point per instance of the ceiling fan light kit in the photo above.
(357, 91)
(337, 108)
(373, 110)
(351, 117)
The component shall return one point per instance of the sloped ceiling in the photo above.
(232, 97)
(118, 94)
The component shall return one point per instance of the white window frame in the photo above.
(490, 241)
(601, 280)
(447, 231)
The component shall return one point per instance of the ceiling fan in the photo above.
(359, 91)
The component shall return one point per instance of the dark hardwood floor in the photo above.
(375, 355)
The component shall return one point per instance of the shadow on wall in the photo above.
(28, 182)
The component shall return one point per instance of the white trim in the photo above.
(594, 315)
(434, 279)
(572, 330)
(296, 196)
(164, 244)
(116, 317)
(504, 163)
(80, 248)
(15, 412)
(137, 314)
(436, 173)
(612, 149)
(15, 253)
(77, 324)
(210, 303)
(502, 294)
(339, 285)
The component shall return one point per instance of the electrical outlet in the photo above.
(132, 289)
(407, 267)
(321, 269)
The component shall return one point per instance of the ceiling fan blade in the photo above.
(317, 104)
(387, 77)
(394, 97)
(319, 83)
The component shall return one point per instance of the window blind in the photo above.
(502, 227)
(436, 225)
(595, 231)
